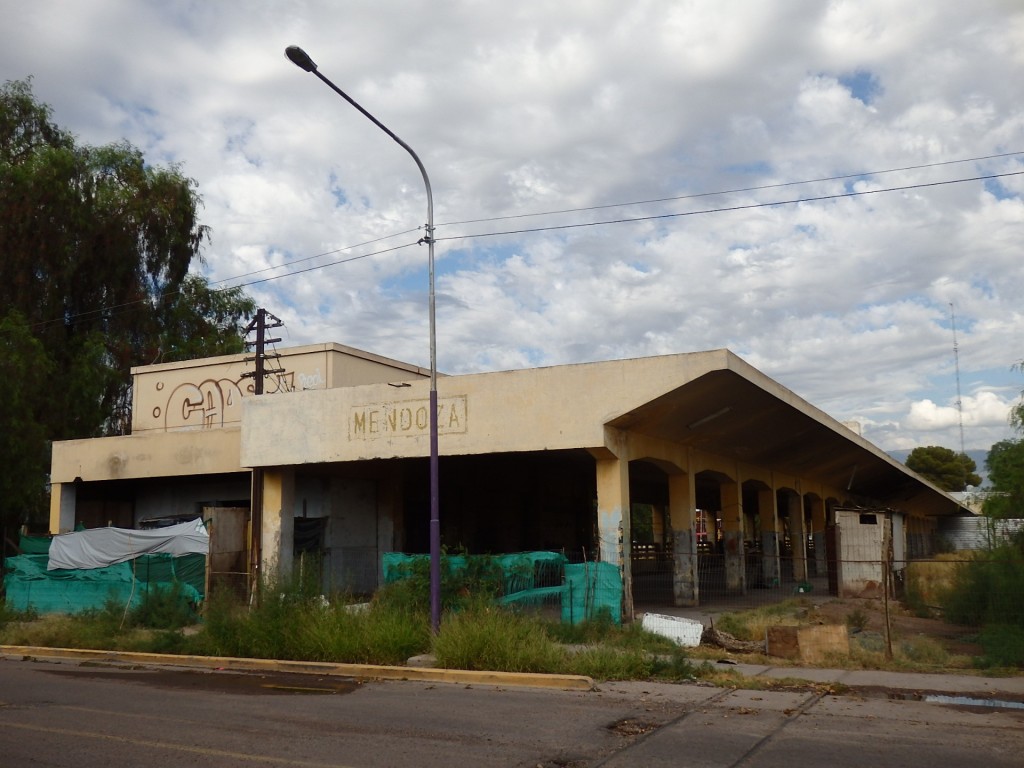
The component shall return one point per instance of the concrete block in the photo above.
(811, 644)
(685, 632)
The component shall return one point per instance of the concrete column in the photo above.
(732, 537)
(798, 536)
(768, 517)
(62, 507)
(278, 529)
(682, 504)
(818, 524)
(613, 521)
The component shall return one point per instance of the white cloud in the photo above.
(533, 107)
(986, 409)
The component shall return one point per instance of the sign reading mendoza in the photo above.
(408, 418)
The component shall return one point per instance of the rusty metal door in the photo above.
(227, 563)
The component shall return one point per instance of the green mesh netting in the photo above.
(31, 587)
(590, 590)
(534, 578)
(34, 545)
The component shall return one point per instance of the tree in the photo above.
(949, 470)
(1005, 463)
(24, 458)
(95, 251)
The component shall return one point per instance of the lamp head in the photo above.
(299, 58)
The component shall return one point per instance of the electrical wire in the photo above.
(733, 191)
(128, 306)
(726, 209)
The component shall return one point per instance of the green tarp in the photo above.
(34, 545)
(590, 590)
(585, 591)
(31, 587)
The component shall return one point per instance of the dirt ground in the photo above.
(957, 640)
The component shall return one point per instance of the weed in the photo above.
(595, 630)
(857, 620)
(923, 650)
(602, 662)
(9, 615)
(752, 624)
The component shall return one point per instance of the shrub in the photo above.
(986, 590)
(1004, 646)
(164, 608)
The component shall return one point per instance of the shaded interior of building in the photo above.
(346, 516)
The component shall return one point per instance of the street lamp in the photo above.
(302, 60)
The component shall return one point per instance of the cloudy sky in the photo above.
(821, 187)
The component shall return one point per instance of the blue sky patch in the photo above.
(862, 85)
(995, 188)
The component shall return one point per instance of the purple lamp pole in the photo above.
(302, 60)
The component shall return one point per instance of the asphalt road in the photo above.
(87, 715)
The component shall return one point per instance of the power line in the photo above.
(317, 256)
(725, 209)
(623, 205)
(118, 309)
(733, 191)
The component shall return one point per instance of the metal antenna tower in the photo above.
(956, 364)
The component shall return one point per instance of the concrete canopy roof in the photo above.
(734, 410)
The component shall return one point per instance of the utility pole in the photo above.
(260, 324)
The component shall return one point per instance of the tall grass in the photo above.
(484, 636)
(751, 625)
(290, 622)
(293, 621)
(986, 592)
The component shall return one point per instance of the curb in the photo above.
(358, 671)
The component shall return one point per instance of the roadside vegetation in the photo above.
(986, 593)
(294, 621)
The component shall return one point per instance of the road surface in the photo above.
(87, 715)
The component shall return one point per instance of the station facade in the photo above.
(648, 463)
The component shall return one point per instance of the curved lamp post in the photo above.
(302, 60)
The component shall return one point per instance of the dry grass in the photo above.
(929, 580)
(913, 648)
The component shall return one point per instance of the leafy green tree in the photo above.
(1005, 463)
(96, 245)
(26, 372)
(949, 470)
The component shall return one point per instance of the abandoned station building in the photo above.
(654, 464)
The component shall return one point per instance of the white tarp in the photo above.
(100, 547)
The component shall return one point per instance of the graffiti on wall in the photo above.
(214, 403)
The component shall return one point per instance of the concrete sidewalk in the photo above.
(953, 684)
(1009, 688)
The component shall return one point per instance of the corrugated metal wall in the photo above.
(976, 532)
